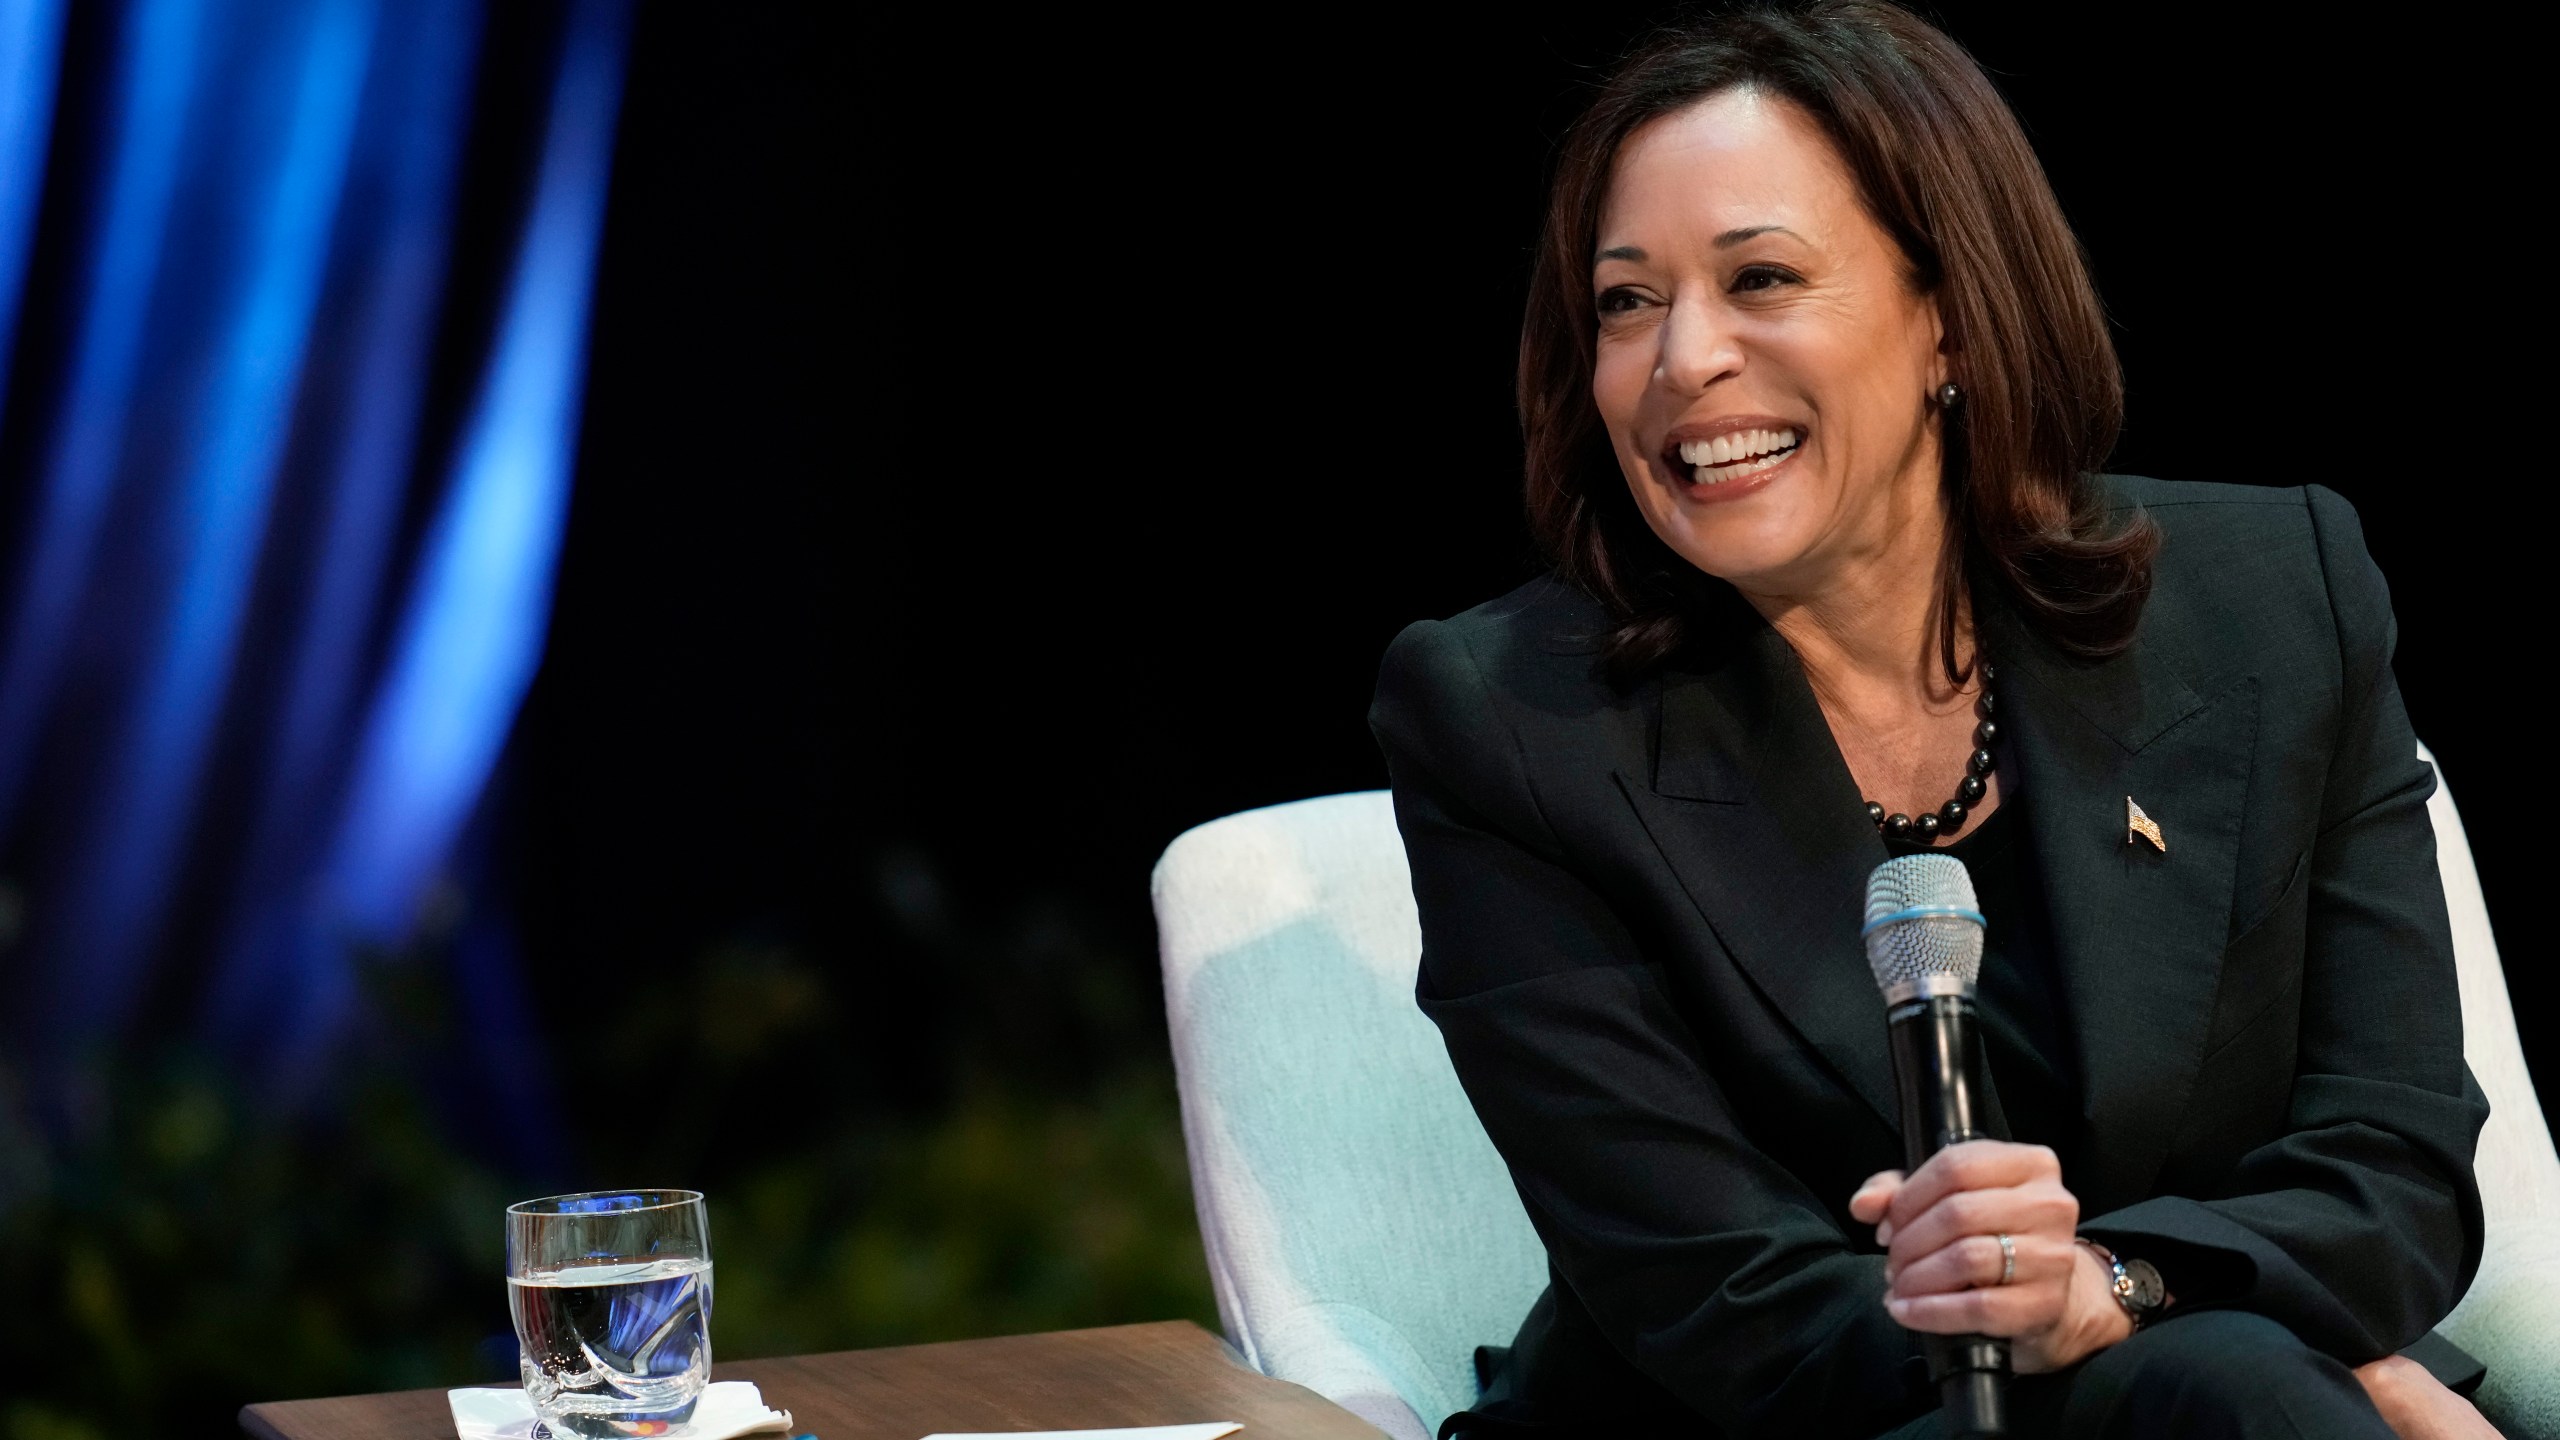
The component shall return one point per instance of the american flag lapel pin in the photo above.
(2137, 823)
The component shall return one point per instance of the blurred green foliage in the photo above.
(1011, 1215)
(183, 1257)
(190, 1253)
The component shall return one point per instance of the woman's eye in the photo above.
(1762, 277)
(1618, 301)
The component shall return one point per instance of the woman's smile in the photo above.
(1718, 460)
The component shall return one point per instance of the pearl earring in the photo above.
(1950, 395)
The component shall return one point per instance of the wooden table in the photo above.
(1171, 1373)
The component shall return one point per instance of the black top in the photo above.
(2026, 1043)
(1640, 911)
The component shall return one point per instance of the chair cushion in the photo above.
(1350, 1202)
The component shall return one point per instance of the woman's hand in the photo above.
(1943, 1257)
(2417, 1406)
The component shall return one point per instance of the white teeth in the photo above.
(1755, 450)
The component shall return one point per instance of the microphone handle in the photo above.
(1937, 1065)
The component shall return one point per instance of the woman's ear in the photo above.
(1946, 361)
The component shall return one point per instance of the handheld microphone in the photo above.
(1924, 942)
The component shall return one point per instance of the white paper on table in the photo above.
(1210, 1431)
(727, 1408)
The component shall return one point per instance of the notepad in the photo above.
(1210, 1431)
(728, 1408)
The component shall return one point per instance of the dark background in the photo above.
(1013, 441)
(1012, 438)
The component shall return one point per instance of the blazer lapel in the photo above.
(2139, 932)
(1755, 812)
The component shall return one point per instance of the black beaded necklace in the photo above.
(1949, 818)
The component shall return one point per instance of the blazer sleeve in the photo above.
(2359, 1227)
(1706, 1264)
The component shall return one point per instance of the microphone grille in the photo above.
(1923, 924)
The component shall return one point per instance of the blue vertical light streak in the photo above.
(277, 953)
(471, 638)
(30, 61)
(288, 199)
(241, 596)
(154, 84)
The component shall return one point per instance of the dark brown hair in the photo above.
(1941, 164)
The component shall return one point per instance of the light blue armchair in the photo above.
(1362, 1235)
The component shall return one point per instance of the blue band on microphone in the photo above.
(1924, 912)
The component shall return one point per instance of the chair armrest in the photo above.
(1360, 1361)
(2511, 1322)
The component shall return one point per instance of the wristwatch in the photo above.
(2137, 1284)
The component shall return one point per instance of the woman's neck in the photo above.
(1867, 636)
(1876, 647)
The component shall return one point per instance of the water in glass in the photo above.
(612, 1298)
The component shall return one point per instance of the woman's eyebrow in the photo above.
(1725, 241)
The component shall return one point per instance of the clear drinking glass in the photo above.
(612, 1297)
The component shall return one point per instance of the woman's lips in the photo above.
(1731, 465)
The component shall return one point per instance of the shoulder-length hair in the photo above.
(1942, 165)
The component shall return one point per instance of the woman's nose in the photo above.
(1697, 349)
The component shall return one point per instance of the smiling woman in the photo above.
(1809, 196)
(1815, 391)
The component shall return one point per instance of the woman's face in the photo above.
(1765, 365)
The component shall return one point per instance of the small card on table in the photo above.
(1209, 1431)
(728, 1408)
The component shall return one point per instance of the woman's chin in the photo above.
(1759, 565)
(1755, 547)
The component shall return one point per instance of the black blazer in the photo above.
(1640, 913)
